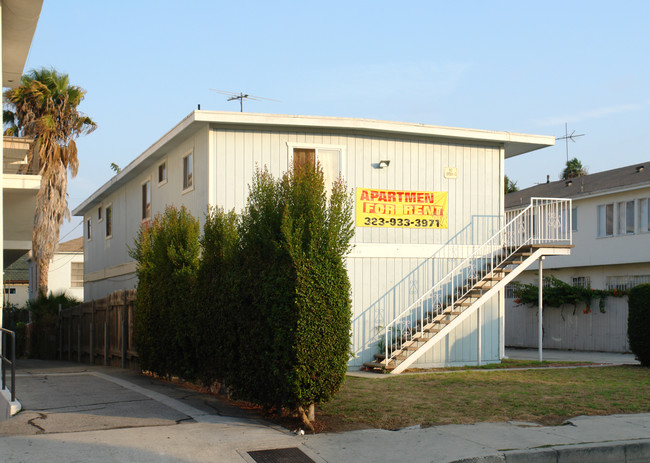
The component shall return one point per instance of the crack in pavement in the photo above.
(42, 416)
(82, 406)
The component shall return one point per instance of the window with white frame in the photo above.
(581, 282)
(162, 172)
(188, 171)
(109, 221)
(329, 160)
(606, 220)
(510, 291)
(99, 214)
(644, 215)
(146, 200)
(625, 282)
(77, 275)
(89, 229)
(10, 290)
(625, 215)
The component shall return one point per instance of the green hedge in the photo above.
(266, 309)
(167, 255)
(638, 322)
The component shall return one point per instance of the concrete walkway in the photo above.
(75, 412)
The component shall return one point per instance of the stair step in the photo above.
(379, 366)
(443, 322)
(463, 304)
(380, 357)
(452, 312)
(432, 330)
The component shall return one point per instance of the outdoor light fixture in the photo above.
(383, 164)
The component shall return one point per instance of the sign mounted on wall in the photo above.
(401, 209)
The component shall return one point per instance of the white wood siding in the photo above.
(383, 258)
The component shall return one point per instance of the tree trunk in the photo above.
(305, 420)
(43, 268)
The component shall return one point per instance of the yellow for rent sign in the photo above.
(401, 209)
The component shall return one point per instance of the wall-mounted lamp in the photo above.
(383, 164)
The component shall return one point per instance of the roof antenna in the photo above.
(241, 96)
(568, 137)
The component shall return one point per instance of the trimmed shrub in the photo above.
(214, 325)
(167, 256)
(638, 322)
(296, 307)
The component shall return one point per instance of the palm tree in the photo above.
(509, 186)
(573, 169)
(44, 108)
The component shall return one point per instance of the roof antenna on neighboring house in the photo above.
(568, 137)
(241, 96)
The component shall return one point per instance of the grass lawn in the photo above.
(545, 396)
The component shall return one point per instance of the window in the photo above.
(606, 220)
(162, 172)
(328, 159)
(625, 218)
(188, 171)
(574, 219)
(581, 282)
(510, 291)
(626, 282)
(109, 221)
(99, 214)
(146, 200)
(89, 230)
(644, 215)
(77, 273)
(10, 290)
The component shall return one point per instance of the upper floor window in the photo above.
(109, 221)
(77, 275)
(329, 160)
(625, 218)
(146, 200)
(188, 171)
(644, 215)
(606, 220)
(89, 229)
(574, 219)
(99, 214)
(162, 172)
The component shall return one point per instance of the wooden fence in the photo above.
(100, 332)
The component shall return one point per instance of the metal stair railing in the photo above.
(545, 221)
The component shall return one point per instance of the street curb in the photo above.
(633, 451)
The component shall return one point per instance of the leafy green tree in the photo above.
(296, 303)
(509, 186)
(44, 108)
(573, 169)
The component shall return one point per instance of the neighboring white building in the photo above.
(65, 274)
(19, 182)
(16, 283)
(611, 234)
(210, 157)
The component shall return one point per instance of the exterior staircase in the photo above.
(543, 228)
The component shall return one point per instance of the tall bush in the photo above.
(296, 289)
(167, 256)
(638, 322)
(216, 316)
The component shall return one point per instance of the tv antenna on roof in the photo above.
(241, 96)
(568, 137)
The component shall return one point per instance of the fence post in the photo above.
(92, 333)
(70, 335)
(124, 330)
(60, 334)
(79, 341)
(106, 338)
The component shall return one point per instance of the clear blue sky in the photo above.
(499, 65)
